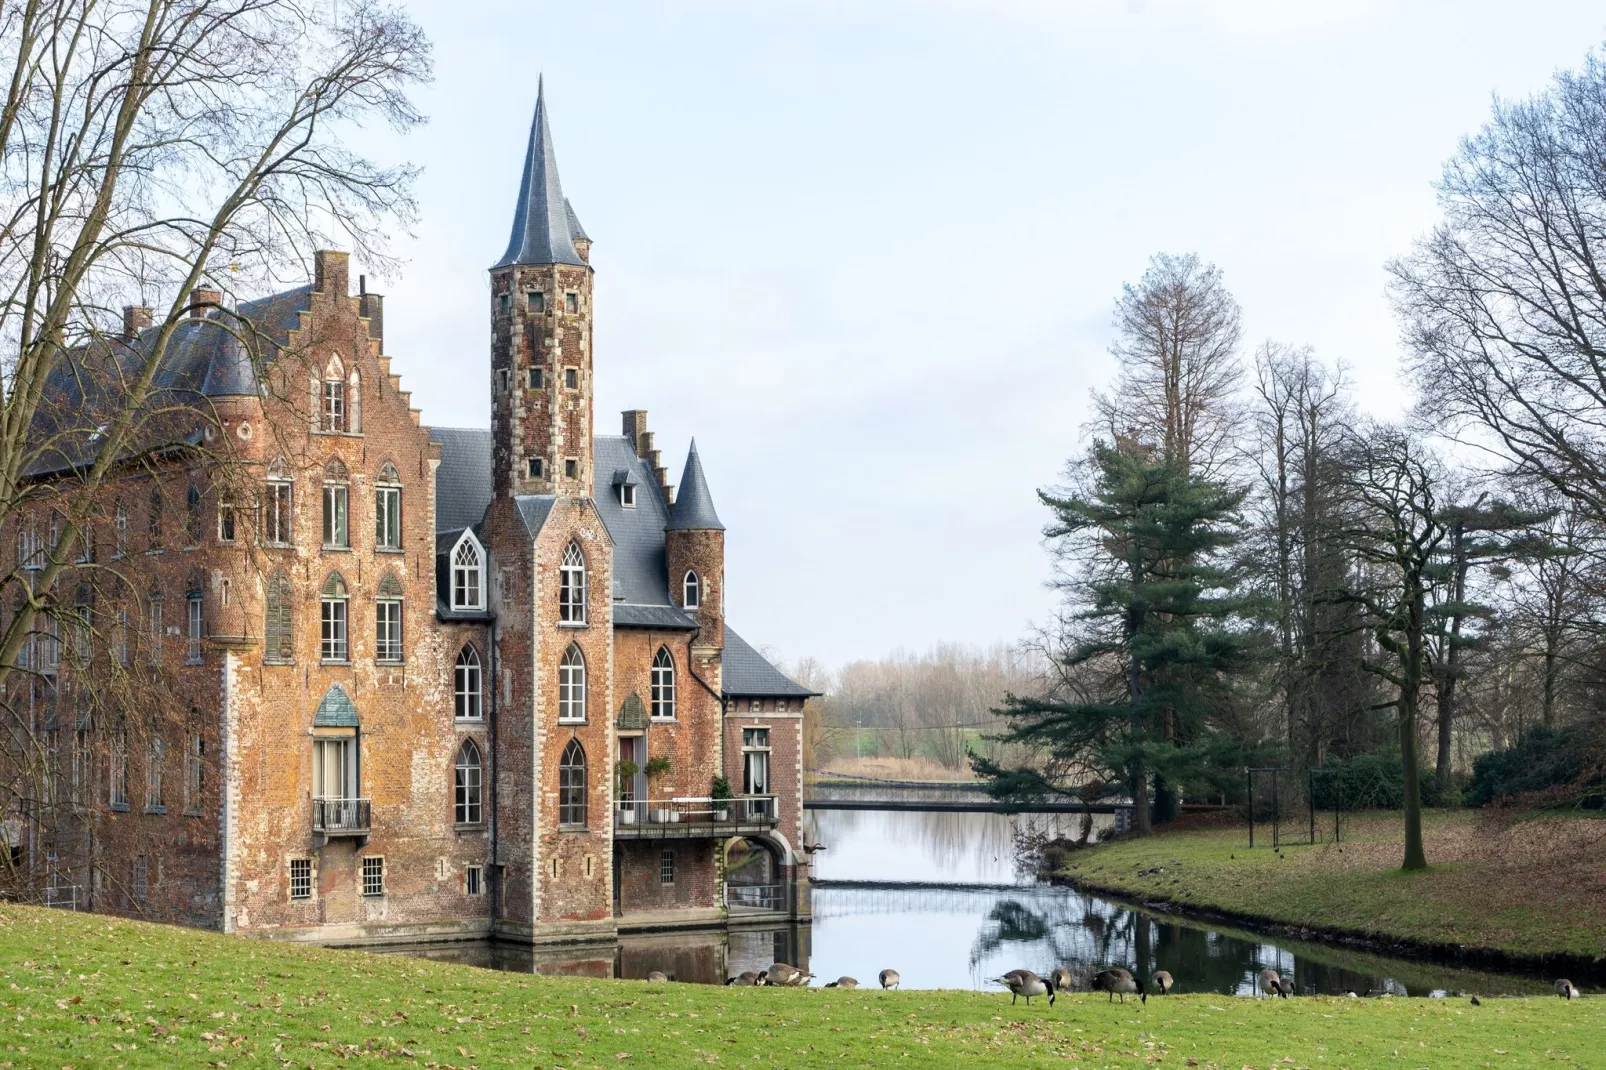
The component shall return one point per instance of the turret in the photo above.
(541, 361)
(694, 546)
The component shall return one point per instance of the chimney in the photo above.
(372, 308)
(636, 430)
(203, 299)
(135, 319)
(331, 272)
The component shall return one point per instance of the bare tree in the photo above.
(1177, 337)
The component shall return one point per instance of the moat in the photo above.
(952, 899)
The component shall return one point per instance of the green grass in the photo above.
(1531, 888)
(79, 991)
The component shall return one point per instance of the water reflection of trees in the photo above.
(974, 848)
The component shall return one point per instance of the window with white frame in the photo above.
(666, 866)
(117, 770)
(192, 650)
(572, 686)
(276, 518)
(120, 637)
(332, 397)
(155, 619)
(388, 620)
(121, 524)
(468, 574)
(155, 755)
(468, 684)
(373, 875)
(466, 781)
(387, 509)
(334, 768)
(755, 761)
(141, 884)
(225, 520)
(474, 880)
(334, 603)
(194, 772)
(572, 785)
(691, 591)
(572, 586)
(627, 495)
(300, 878)
(30, 548)
(336, 506)
(663, 685)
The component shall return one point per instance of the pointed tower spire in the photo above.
(694, 505)
(544, 226)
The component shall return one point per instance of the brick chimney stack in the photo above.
(372, 308)
(135, 319)
(203, 299)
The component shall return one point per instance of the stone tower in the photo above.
(541, 366)
(694, 550)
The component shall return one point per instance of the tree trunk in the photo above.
(1410, 690)
(1452, 659)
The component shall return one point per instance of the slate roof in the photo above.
(544, 224)
(748, 674)
(694, 505)
(463, 480)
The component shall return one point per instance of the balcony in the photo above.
(693, 818)
(340, 817)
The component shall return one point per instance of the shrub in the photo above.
(1371, 780)
(1552, 766)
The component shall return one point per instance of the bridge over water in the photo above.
(869, 793)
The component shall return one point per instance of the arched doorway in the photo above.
(755, 876)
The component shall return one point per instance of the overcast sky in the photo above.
(866, 252)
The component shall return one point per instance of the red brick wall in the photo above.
(641, 888)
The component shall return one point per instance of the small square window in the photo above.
(666, 867)
(571, 302)
(571, 378)
(474, 876)
(373, 875)
(571, 468)
(627, 495)
(755, 706)
(536, 379)
(502, 376)
(537, 301)
(300, 878)
(536, 468)
(505, 301)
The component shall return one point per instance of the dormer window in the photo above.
(627, 495)
(692, 591)
(468, 573)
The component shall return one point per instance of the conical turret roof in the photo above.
(694, 505)
(544, 225)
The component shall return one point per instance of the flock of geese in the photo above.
(1024, 984)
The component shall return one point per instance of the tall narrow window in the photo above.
(334, 769)
(572, 586)
(192, 651)
(572, 686)
(334, 600)
(193, 525)
(30, 550)
(466, 785)
(278, 631)
(692, 591)
(373, 875)
(468, 574)
(117, 771)
(755, 761)
(153, 517)
(666, 866)
(120, 637)
(354, 402)
(572, 785)
(387, 509)
(388, 620)
(336, 530)
(300, 878)
(276, 530)
(121, 524)
(332, 408)
(663, 685)
(141, 884)
(194, 773)
(155, 648)
(155, 755)
(82, 627)
(225, 520)
(467, 683)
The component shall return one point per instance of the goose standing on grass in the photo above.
(1162, 983)
(1064, 980)
(747, 978)
(1026, 983)
(889, 979)
(1566, 989)
(848, 983)
(1273, 985)
(656, 976)
(1119, 982)
(788, 976)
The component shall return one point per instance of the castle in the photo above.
(440, 683)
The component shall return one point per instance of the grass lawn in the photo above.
(79, 991)
(1535, 886)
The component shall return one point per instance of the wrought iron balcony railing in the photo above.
(746, 810)
(340, 817)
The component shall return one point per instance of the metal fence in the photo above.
(755, 898)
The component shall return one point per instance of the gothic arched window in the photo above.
(663, 685)
(572, 785)
(334, 603)
(388, 619)
(467, 684)
(466, 779)
(387, 508)
(331, 397)
(572, 685)
(572, 586)
(691, 591)
(468, 574)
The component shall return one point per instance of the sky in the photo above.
(867, 252)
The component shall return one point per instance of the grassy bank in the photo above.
(80, 991)
(1534, 887)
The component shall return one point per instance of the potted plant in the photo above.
(720, 792)
(626, 772)
(657, 768)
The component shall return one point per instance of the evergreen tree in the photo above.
(1153, 636)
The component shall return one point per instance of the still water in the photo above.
(950, 900)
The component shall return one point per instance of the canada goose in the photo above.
(1475, 1002)
(1162, 983)
(1064, 980)
(747, 977)
(1118, 982)
(1273, 985)
(1566, 989)
(657, 975)
(1026, 983)
(889, 978)
(848, 983)
(788, 976)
